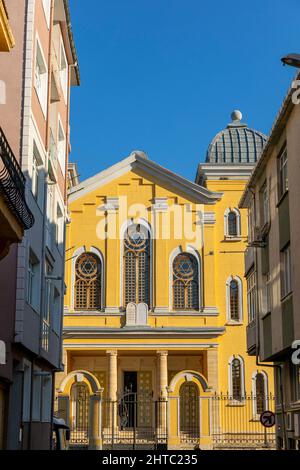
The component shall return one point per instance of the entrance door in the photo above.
(129, 401)
(130, 382)
(189, 412)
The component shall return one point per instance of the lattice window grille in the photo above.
(185, 283)
(236, 371)
(232, 224)
(137, 265)
(88, 282)
(234, 301)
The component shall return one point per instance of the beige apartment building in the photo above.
(36, 76)
(273, 264)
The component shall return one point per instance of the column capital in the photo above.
(112, 352)
(162, 353)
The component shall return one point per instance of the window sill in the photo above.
(264, 315)
(229, 238)
(43, 108)
(34, 309)
(286, 297)
(235, 403)
(295, 405)
(265, 229)
(282, 197)
(255, 419)
(36, 200)
(186, 312)
(96, 313)
(234, 323)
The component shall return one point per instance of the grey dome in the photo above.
(237, 144)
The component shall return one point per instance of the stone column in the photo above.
(213, 383)
(95, 422)
(162, 393)
(212, 369)
(112, 357)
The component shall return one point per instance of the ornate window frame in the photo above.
(256, 416)
(178, 251)
(238, 224)
(240, 293)
(123, 230)
(80, 251)
(230, 381)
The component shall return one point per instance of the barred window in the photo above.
(234, 301)
(137, 265)
(260, 393)
(88, 282)
(232, 224)
(185, 282)
(236, 379)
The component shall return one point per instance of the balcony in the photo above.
(15, 215)
(251, 338)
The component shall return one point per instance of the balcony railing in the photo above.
(12, 184)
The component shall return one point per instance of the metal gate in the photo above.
(189, 413)
(135, 421)
(80, 404)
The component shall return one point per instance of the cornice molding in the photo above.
(140, 346)
(138, 332)
(177, 183)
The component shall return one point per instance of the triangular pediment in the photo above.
(150, 170)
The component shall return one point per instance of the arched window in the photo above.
(234, 299)
(260, 393)
(232, 223)
(88, 282)
(137, 265)
(237, 379)
(185, 282)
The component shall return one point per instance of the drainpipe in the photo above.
(257, 349)
(49, 75)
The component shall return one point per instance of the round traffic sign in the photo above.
(267, 419)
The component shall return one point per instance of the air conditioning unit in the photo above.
(258, 239)
(257, 234)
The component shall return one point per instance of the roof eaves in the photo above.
(72, 42)
(282, 114)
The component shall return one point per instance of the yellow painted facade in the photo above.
(175, 347)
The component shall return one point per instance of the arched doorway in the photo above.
(189, 412)
(80, 407)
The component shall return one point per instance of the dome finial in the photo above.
(236, 115)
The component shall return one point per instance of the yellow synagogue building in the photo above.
(156, 306)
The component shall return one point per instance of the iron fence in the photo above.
(236, 422)
(138, 421)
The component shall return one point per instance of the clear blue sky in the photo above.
(164, 75)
